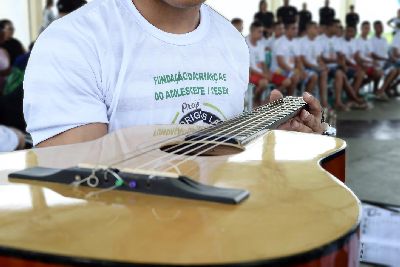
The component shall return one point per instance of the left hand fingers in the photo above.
(311, 121)
(314, 106)
(275, 95)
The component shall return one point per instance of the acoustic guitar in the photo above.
(237, 193)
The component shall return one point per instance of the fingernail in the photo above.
(307, 94)
(295, 124)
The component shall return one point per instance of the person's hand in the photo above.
(267, 75)
(306, 121)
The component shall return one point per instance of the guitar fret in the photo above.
(250, 123)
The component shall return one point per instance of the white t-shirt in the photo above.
(265, 43)
(396, 41)
(8, 139)
(364, 47)
(349, 49)
(380, 47)
(271, 42)
(257, 55)
(396, 22)
(310, 49)
(331, 46)
(268, 43)
(288, 49)
(105, 63)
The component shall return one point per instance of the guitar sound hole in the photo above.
(201, 149)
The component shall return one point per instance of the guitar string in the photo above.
(286, 105)
(201, 152)
(93, 177)
(246, 122)
(217, 143)
(262, 110)
(211, 128)
(194, 156)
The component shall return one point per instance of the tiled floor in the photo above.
(373, 153)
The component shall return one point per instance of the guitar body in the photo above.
(297, 213)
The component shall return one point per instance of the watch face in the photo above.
(330, 131)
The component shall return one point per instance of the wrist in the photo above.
(328, 130)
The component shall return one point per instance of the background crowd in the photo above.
(337, 61)
(13, 61)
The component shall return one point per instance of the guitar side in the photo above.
(297, 213)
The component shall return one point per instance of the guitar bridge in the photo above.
(138, 181)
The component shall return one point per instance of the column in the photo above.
(274, 5)
(344, 9)
(35, 9)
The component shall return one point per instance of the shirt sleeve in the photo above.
(370, 47)
(253, 62)
(62, 82)
(8, 139)
(281, 49)
(301, 44)
(296, 47)
(396, 41)
(339, 46)
(356, 46)
(318, 48)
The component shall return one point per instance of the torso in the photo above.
(311, 49)
(142, 75)
(287, 49)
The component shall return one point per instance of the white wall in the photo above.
(372, 10)
(17, 12)
(244, 9)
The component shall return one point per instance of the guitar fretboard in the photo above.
(249, 125)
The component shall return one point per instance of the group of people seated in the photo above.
(13, 61)
(325, 59)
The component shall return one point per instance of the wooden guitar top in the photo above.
(294, 206)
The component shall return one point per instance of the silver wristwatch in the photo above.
(329, 130)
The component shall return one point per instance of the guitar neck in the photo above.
(249, 125)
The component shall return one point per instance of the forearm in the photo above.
(342, 61)
(256, 72)
(328, 60)
(308, 65)
(80, 134)
(379, 58)
(351, 64)
(396, 53)
(321, 64)
(299, 64)
(360, 61)
(283, 65)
